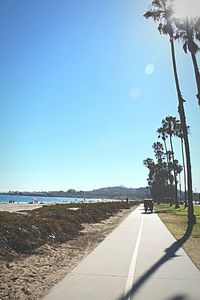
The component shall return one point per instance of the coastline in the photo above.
(20, 206)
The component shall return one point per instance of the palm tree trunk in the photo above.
(184, 172)
(180, 195)
(191, 216)
(166, 150)
(175, 176)
(164, 140)
(197, 75)
(192, 51)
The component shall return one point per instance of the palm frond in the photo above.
(197, 24)
(185, 47)
(155, 15)
(160, 28)
(157, 3)
(193, 47)
(197, 36)
(167, 29)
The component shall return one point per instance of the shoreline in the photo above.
(20, 206)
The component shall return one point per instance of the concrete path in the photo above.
(140, 259)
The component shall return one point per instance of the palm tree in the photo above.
(179, 170)
(189, 33)
(164, 170)
(158, 150)
(162, 134)
(179, 133)
(168, 126)
(162, 12)
(158, 175)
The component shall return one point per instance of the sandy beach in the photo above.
(31, 276)
(18, 206)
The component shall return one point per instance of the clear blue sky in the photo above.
(83, 87)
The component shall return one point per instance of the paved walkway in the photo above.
(140, 259)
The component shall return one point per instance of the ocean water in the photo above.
(39, 199)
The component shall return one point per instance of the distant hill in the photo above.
(120, 191)
(116, 192)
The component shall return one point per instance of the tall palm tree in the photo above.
(162, 134)
(158, 150)
(162, 12)
(158, 174)
(188, 31)
(179, 133)
(179, 169)
(169, 124)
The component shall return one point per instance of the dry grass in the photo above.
(176, 221)
(25, 233)
(32, 276)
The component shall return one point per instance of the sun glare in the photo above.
(186, 8)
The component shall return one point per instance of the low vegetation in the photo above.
(176, 221)
(22, 233)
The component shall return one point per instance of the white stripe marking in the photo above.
(129, 282)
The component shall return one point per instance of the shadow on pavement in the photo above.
(179, 297)
(169, 254)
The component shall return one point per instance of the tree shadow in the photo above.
(178, 297)
(169, 254)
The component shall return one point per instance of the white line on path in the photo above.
(129, 282)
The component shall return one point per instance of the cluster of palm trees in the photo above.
(164, 173)
(187, 31)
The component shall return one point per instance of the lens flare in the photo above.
(186, 8)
